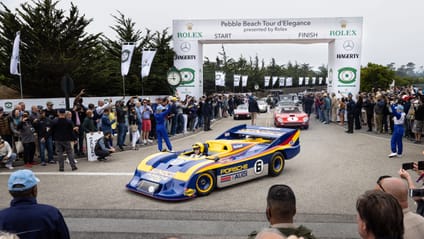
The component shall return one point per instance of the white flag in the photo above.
(319, 80)
(146, 61)
(14, 60)
(219, 78)
(244, 81)
(306, 80)
(126, 56)
(392, 85)
(300, 80)
(282, 81)
(314, 80)
(267, 78)
(237, 80)
(326, 80)
(274, 80)
(289, 81)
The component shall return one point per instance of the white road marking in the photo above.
(78, 173)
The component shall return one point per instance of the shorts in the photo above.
(146, 125)
(418, 126)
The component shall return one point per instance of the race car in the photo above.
(291, 116)
(239, 154)
(242, 112)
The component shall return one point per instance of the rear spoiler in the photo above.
(243, 131)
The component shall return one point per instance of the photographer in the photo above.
(405, 174)
(27, 131)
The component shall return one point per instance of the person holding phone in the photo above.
(411, 185)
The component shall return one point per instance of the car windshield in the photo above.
(290, 110)
(242, 107)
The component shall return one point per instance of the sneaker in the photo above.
(144, 141)
(67, 161)
(74, 168)
(76, 161)
(392, 155)
(150, 141)
(43, 164)
(52, 162)
(9, 166)
(399, 155)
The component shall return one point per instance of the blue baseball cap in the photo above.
(399, 108)
(160, 108)
(25, 178)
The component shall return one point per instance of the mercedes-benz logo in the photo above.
(348, 45)
(185, 47)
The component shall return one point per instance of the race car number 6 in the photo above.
(259, 166)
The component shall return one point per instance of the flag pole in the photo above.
(123, 86)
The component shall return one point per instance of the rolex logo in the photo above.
(189, 26)
(343, 24)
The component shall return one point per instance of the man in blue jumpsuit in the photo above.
(161, 129)
(25, 217)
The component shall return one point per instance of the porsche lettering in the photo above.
(234, 169)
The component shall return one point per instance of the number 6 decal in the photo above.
(259, 166)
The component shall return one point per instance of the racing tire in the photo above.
(276, 165)
(205, 183)
(306, 127)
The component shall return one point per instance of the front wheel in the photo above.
(276, 165)
(205, 183)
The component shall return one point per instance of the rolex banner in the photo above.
(244, 81)
(281, 81)
(274, 80)
(300, 80)
(126, 55)
(219, 78)
(314, 80)
(146, 61)
(267, 79)
(306, 80)
(289, 81)
(237, 80)
(319, 80)
(14, 60)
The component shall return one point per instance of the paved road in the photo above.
(332, 169)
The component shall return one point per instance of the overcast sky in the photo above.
(393, 30)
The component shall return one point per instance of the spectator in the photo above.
(368, 105)
(103, 147)
(45, 141)
(350, 108)
(146, 124)
(342, 111)
(26, 131)
(89, 125)
(253, 109)
(357, 112)
(418, 121)
(121, 113)
(396, 140)
(379, 216)
(135, 132)
(379, 113)
(280, 210)
(334, 106)
(25, 216)
(326, 108)
(63, 135)
(6, 154)
(207, 113)
(5, 131)
(413, 223)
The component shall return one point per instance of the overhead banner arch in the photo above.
(343, 36)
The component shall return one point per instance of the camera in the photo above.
(416, 192)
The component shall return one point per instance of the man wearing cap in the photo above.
(396, 140)
(6, 154)
(25, 216)
(50, 112)
(63, 135)
(161, 130)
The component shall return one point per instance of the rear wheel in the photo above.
(276, 165)
(205, 183)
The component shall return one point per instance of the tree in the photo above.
(376, 76)
(53, 45)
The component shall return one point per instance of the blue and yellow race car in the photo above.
(239, 154)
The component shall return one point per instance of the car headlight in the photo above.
(280, 120)
(305, 119)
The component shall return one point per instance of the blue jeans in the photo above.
(10, 159)
(122, 132)
(47, 144)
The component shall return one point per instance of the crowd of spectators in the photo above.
(134, 117)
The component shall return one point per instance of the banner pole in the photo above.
(123, 86)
